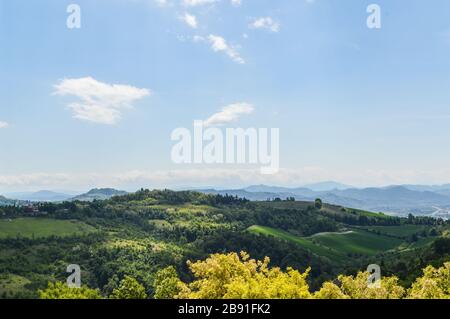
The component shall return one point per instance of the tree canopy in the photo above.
(60, 290)
(129, 288)
(236, 276)
(230, 276)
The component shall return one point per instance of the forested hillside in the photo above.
(132, 238)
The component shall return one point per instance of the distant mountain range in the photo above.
(50, 196)
(399, 200)
(317, 187)
(326, 186)
(99, 194)
(433, 200)
(6, 201)
(40, 196)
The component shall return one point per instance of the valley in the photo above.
(138, 234)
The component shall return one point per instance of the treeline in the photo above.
(180, 197)
(254, 279)
(408, 265)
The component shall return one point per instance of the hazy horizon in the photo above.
(204, 187)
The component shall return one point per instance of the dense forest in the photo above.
(134, 238)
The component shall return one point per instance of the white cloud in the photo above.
(265, 23)
(219, 44)
(195, 3)
(218, 177)
(190, 20)
(99, 102)
(3, 124)
(236, 3)
(162, 3)
(198, 38)
(229, 114)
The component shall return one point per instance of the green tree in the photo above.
(59, 290)
(166, 284)
(318, 203)
(129, 288)
(442, 246)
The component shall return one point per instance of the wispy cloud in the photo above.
(265, 23)
(3, 124)
(195, 3)
(162, 3)
(229, 114)
(219, 44)
(99, 102)
(236, 3)
(190, 20)
(221, 177)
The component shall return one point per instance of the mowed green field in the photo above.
(42, 227)
(400, 231)
(357, 241)
(308, 244)
(336, 245)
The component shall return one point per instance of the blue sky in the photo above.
(358, 105)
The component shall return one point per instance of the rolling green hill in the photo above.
(398, 231)
(42, 227)
(356, 242)
(304, 242)
(140, 233)
(335, 245)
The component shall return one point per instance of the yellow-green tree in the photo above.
(59, 290)
(330, 290)
(237, 276)
(129, 288)
(434, 284)
(350, 287)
